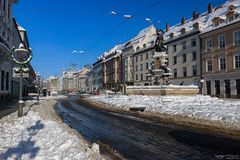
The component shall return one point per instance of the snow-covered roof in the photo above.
(205, 20)
(113, 52)
(20, 28)
(221, 13)
(145, 36)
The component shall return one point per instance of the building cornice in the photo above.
(143, 50)
(182, 37)
(216, 29)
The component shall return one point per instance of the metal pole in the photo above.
(21, 103)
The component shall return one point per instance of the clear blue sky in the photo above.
(57, 27)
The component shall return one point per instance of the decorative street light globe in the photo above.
(21, 56)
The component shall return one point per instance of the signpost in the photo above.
(21, 56)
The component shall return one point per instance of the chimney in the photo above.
(183, 20)
(167, 27)
(210, 9)
(194, 15)
(197, 15)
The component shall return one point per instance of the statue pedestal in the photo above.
(163, 90)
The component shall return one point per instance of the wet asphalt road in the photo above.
(136, 138)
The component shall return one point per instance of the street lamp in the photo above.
(21, 56)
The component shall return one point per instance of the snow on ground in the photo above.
(36, 137)
(199, 106)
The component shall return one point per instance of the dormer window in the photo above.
(232, 7)
(144, 45)
(171, 35)
(137, 48)
(231, 14)
(196, 26)
(183, 31)
(216, 21)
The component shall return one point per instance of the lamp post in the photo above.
(21, 56)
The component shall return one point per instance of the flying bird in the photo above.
(148, 19)
(74, 51)
(127, 16)
(113, 13)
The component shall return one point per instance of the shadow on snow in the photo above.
(25, 146)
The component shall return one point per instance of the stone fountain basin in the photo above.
(163, 90)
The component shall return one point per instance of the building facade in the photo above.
(112, 69)
(98, 74)
(143, 45)
(183, 49)
(127, 63)
(6, 37)
(220, 53)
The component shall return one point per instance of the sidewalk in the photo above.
(41, 134)
(7, 108)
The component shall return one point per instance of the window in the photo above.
(146, 65)
(238, 87)
(184, 45)
(194, 55)
(152, 53)
(175, 60)
(2, 80)
(144, 45)
(193, 42)
(184, 71)
(4, 5)
(208, 86)
(222, 63)
(136, 59)
(136, 68)
(141, 57)
(216, 23)
(183, 31)
(221, 41)
(208, 45)
(217, 87)
(174, 48)
(126, 75)
(196, 26)
(194, 70)
(136, 76)
(137, 48)
(237, 61)
(141, 67)
(209, 65)
(126, 62)
(146, 55)
(175, 73)
(141, 77)
(231, 18)
(7, 81)
(166, 61)
(236, 38)
(184, 58)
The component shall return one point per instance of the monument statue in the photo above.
(158, 72)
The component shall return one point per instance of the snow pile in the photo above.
(31, 137)
(199, 106)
